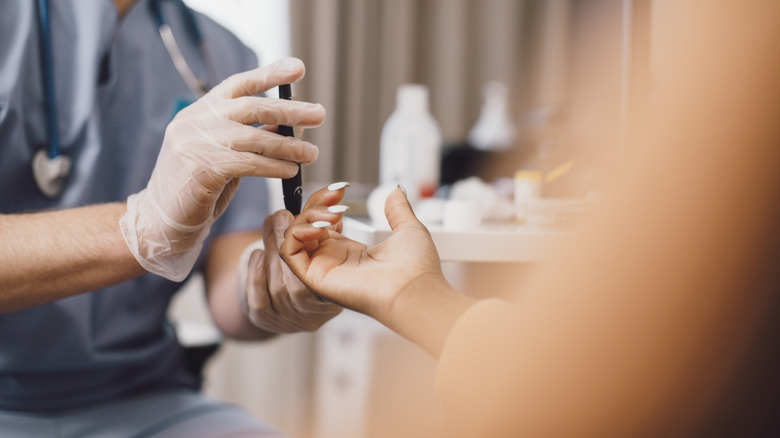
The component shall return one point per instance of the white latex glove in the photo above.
(271, 296)
(207, 148)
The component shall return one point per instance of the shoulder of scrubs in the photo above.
(225, 46)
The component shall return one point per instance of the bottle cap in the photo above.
(412, 97)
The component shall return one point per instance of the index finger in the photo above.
(330, 195)
(294, 250)
(253, 82)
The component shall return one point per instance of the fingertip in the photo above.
(307, 154)
(291, 66)
(321, 114)
(289, 63)
(313, 150)
(399, 194)
(279, 220)
(397, 208)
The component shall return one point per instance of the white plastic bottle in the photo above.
(493, 130)
(410, 145)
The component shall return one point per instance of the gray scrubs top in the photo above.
(116, 91)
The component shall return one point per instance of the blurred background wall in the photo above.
(558, 59)
(359, 52)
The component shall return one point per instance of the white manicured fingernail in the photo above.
(336, 209)
(338, 186)
(403, 190)
(321, 224)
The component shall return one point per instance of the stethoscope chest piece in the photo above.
(50, 173)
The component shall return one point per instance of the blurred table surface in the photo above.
(491, 242)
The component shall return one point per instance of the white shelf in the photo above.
(501, 242)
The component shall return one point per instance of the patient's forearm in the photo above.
(52, 255)
(425, 312)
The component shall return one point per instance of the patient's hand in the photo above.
(368, 279)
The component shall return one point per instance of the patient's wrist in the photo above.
(425, 310)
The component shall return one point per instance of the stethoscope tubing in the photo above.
(198, 87)
(47, 79)
(50, 173)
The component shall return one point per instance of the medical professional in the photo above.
(131, 134)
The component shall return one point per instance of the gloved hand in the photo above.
(271, 296)
(207, 148)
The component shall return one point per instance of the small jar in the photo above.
(528, 187)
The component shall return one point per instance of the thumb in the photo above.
(275, 225)
(398, 211)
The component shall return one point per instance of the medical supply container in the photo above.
(410, 144)
(528, 188)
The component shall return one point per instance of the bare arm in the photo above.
(52, 255)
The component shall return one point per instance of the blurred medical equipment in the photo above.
(489, 201)
(410, 145)
(528, 186)
(493, 129)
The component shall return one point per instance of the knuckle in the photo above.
(279, 114)
(295, 150)
(258, 108)
(231, 82)
(245, 106)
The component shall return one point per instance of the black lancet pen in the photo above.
(292, 188)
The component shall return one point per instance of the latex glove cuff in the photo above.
(243, 268)
(160, 245)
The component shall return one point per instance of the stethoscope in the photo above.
(197, 87)
(51, 168)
